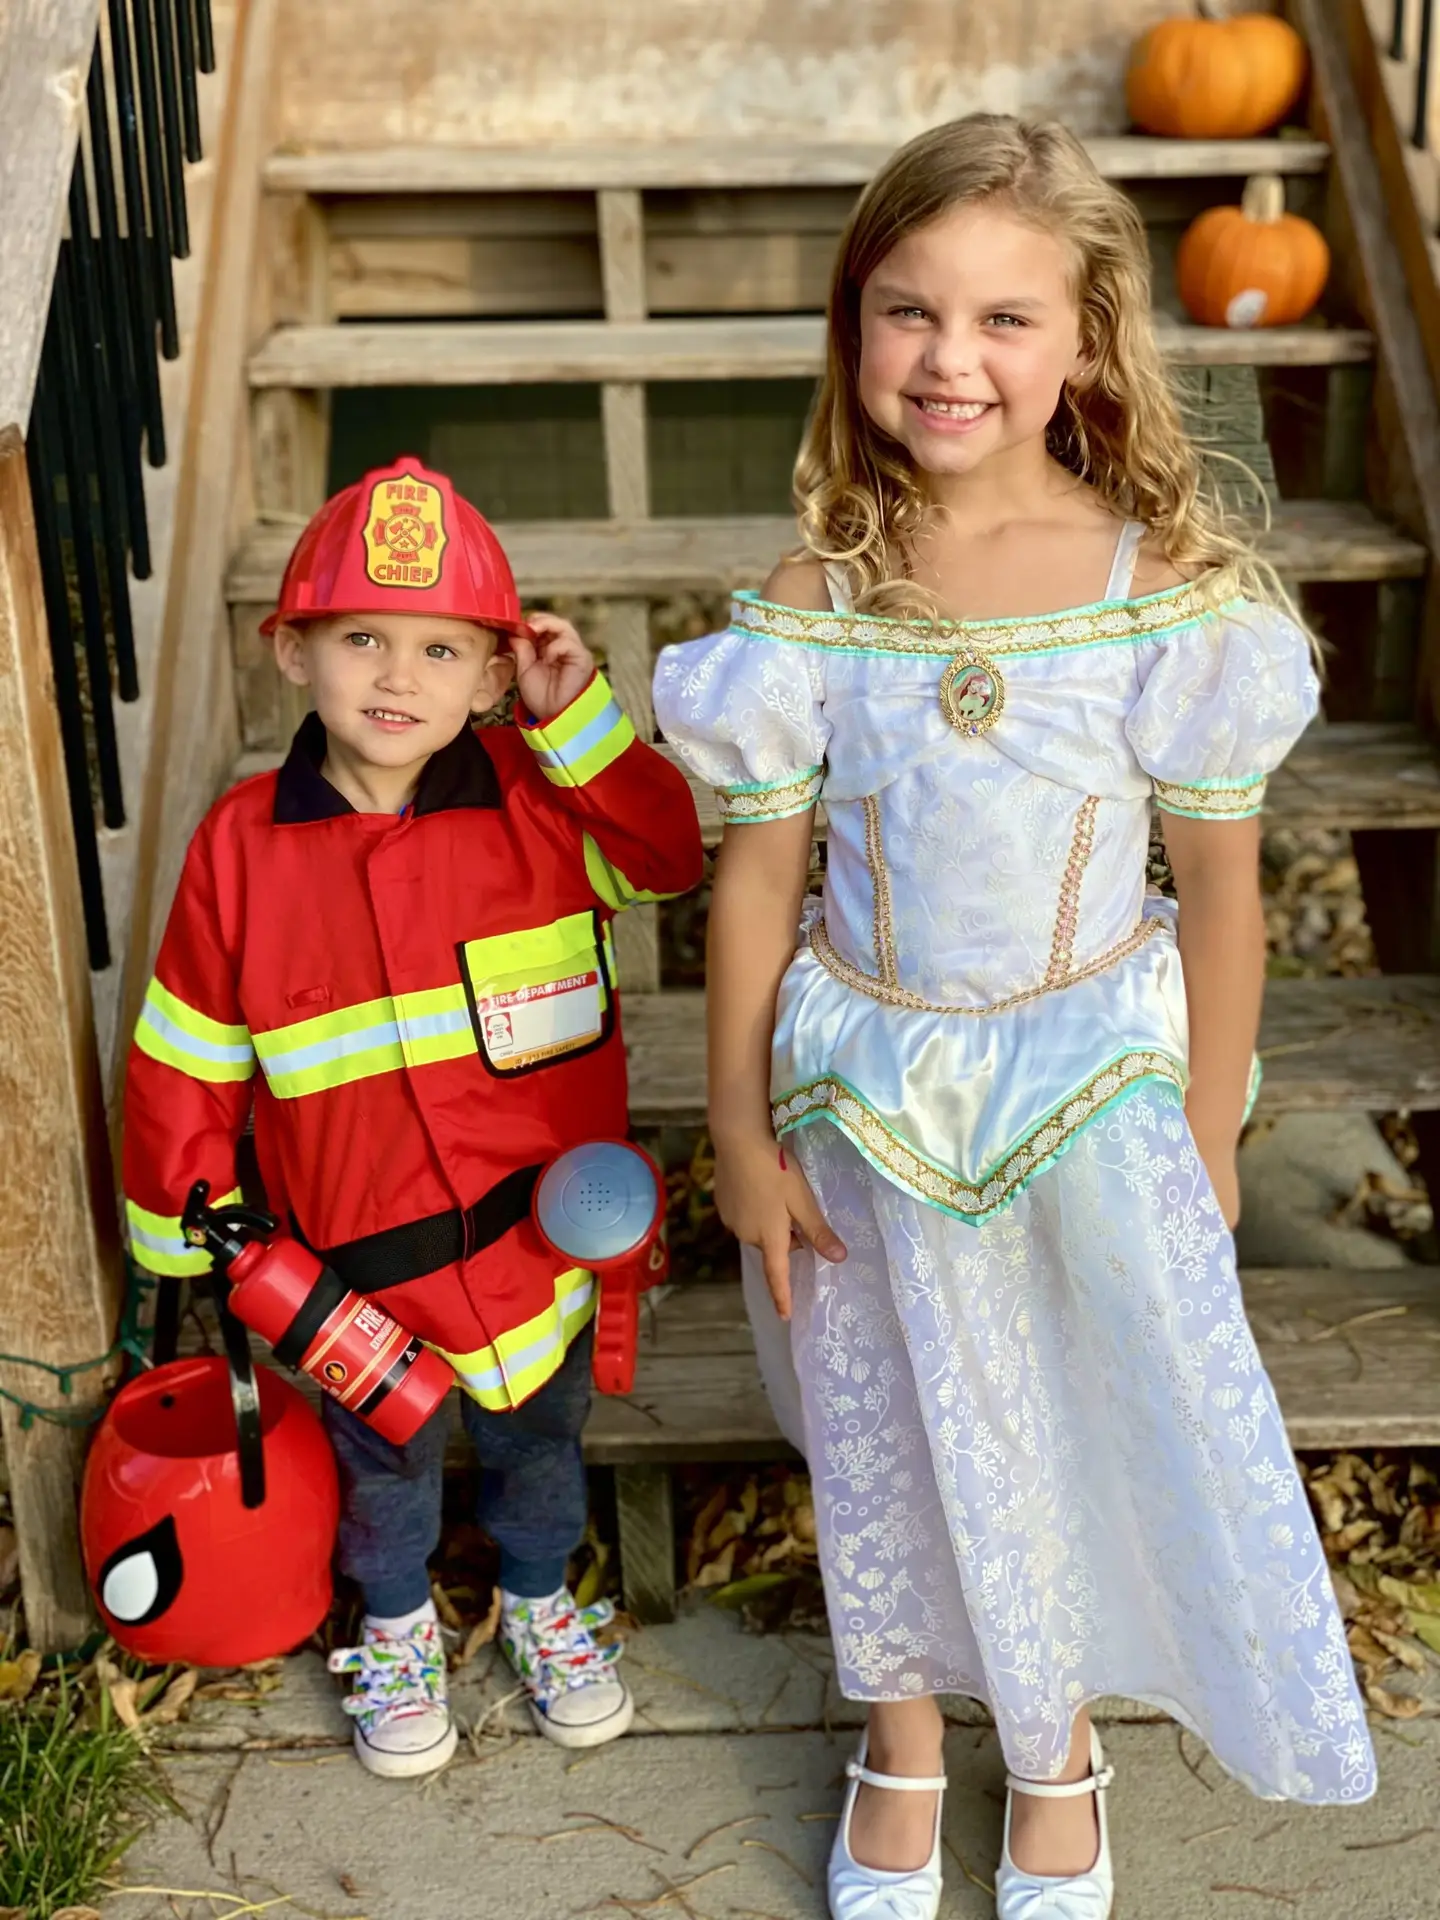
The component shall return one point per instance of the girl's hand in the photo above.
(765, 1200)
(551, 668)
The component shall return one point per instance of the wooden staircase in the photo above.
(400, 268)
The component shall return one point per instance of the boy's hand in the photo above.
(553, 667)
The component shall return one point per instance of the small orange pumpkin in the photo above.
(1215, 79)
(1254, 265)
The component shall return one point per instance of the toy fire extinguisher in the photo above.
(602, 1205)
(350, 1346)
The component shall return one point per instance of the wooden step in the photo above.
(1308, 540)
(775, 347)
(726, 163)
(1372, 1044)
(1353, 775)
(1342, 1380)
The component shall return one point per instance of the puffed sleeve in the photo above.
(746, 715)
(1221, 705)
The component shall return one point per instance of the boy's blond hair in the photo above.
(856, 494)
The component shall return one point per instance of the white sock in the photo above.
(549, 1603)
(403, 1624)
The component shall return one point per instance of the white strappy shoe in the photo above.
(869, 1893)
(1080, 1896)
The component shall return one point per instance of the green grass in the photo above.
(72, 1783)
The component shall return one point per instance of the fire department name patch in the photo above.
(404, 533)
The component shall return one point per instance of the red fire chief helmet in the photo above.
(181, 1569)
(401, 540)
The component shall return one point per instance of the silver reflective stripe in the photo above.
(160, 1242)
(186, 1042)
(527, 1356)
(426, 1026)
(387, 1034)
(589, 736)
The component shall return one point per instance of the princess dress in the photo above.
(1048, 1462)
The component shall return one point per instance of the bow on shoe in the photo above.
(1079, 1899)
(912, 1898)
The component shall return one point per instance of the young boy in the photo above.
(407, 930)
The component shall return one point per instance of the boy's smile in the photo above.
(391, 690)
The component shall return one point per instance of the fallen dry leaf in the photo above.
(173, 1701)
(75, 1913)
(446, 1607)
(1407, 1650)
(1395, 1706)
(18, 1676)
(124, 1694)
(480, 1635)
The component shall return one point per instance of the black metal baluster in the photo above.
(119, 347)
(205, 35)
(189, 97)
(79, 465)
(1397, 30)
(135, 247)
(43, 460)
(164, 22)
(1420, 134)
(97, 395)
(161, 243)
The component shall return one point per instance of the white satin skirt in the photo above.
(1048, 1464)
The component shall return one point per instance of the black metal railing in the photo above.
(1399, 49)
(97, 397)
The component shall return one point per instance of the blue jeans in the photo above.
(533, 1501)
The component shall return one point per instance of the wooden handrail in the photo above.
(45, 49)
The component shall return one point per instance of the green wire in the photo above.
(128, 1340)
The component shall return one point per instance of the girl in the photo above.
(1008, 1082)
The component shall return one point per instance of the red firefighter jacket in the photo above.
(429, 999)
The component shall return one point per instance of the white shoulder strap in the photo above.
(842, 600)
(1122, 567)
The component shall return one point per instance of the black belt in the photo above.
(397, 1254)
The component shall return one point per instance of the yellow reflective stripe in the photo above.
(531, 956)
(160, 1247)
(610, 883)
(582, 741)
(524, 1358)
(372, 1037)
(180, 1036)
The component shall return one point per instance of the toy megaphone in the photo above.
(602, 1206)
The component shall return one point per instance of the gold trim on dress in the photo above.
(897, 996)
(836, 1101)
(884, 925)
(769, 803)
(1067, 915)
(1204, 802)
(1105, 621)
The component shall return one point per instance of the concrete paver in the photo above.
(479, 1839)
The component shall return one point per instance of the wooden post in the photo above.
(290, 426)
(627, 469)
(645, 1521)
(59, 1246)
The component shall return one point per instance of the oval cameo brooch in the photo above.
(972, 694)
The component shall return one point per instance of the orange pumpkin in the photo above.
(1254, 265)
(1215, 79)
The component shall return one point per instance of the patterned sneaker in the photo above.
(402, 1719)
(576, 1697)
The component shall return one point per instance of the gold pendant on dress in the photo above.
(972, 694)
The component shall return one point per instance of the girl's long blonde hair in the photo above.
(858, 498)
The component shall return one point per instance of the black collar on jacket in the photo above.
(459, 775)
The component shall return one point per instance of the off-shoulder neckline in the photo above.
(1145, 617)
